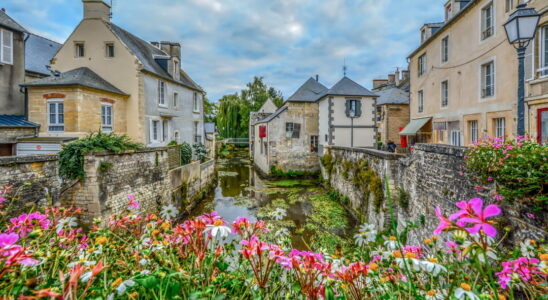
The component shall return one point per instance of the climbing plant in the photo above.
(186, 153)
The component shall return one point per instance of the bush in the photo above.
(186, 153)
(200, 151)
(517, 167)
(71, 157)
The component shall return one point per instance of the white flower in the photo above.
(283, 232)
(391, 244)
(527, 248)
(380, 251)
(435, 295)
(66, 222)
(413, 263)
(86, 276)
(110, 297)
(279, 213)
(169, 212)
(82, 260)
(461, 293)
(121, 289)
(218, 230)
(432, 267)
(143, 262)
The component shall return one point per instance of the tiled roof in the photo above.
(392, 95)
(38, 53)
(77, 77)
(8, 22)
(146, 52)
(310, 91)
(15, 121)
(348, 87)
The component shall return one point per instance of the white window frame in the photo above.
(494, 79)
(77, 50)
(162, 93)
(444, 89)
(493, 21)
(195, 104)
(422, 64)
(107, 127)
(57, 123)
(455, 138)
(352, 109)
(500, 127)
(473, 131)
(543, 59)
(509, 6)
(445, 49)
(158, 132)
(109, 45)
(420, 101)
(4, 47)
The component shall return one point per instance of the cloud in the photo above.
(225, 43)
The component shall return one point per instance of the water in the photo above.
(240, 192)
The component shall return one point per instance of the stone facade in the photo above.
(34, 180)
(429, 177)
(9, 135)
(12, 74)
(394, 116)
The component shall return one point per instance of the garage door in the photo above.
(37, 148)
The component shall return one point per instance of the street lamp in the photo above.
(520, 30)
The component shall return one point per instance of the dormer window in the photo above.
(448, 11)
(109, 48)
(423, 35)
(79, 49)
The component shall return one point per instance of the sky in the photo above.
(225, 43)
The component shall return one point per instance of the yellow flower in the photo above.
(434, 260)
(392, 238)
(397, 253)
(166, 225)
(431, 293)
(218, 223)
(117, 282)
(465, 287)
(384, 279)
(544, 257)
(373, 266)
(410, 255)
(101, 240)
(428, 241)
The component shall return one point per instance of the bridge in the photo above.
(237, 141)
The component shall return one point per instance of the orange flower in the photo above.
(465, 287)
(373, 266)
(117, 282)
(544, 257)
(101, 240)
(428, 241)
(431, 293)
(410, 255)
(397, 254)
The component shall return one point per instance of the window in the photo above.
(6, 46)
(473, 128)
(56, 112)
(314, 143)
(175, 99)
(379, 113)
(500, 127)
(289, 129)
(176, 70)
(455, 137)
(445, 49)
(292, 130)
(109, 48)
(422, 64)
(423, 35)
(542, 128)
(441, 135)
(176, 136)
(161, 93)
(544, 52)
(420, 96)
(165, 130)
(488, 79)
(196, 106)
(440, 128)
(155, 131)
(352, 108)
(487, 21)
(326, 137)
(509, 5)
(448, 11)
(106, 117)
(80, 49)
(444, 93)
(197, 136)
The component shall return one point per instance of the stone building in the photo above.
(132, 86)
(347, 116)
(13, 121)
(464, 75)
(392, 106)
(287, 139)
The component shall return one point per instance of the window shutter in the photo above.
(529, 64)
(347, 110)
(296, 130)
(7, 47)
(358, 108)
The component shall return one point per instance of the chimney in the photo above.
(379, 82)
(3, 10)
(96, 9)
(317, 78)
(391, 78)
(172, 49)
(398, 77)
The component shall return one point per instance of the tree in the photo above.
(276, 96)
(210, 110)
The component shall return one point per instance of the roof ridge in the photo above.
(45, 38)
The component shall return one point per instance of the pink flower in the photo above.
(478, 216)
(26, 223)
(2, 199)
(489, 179)
(444, 222)
(132, 202)
(523, 267)
(11, 253)
(478, 188)
(531, 216)
(210, 218)
(499, 197)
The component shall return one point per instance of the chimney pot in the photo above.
(317, 78)
(379, 82)
(3, 9)
(391, 78)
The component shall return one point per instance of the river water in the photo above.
(312, 219)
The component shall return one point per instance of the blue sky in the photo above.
(227, 42)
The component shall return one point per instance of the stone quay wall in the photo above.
(431, 176)
(191, 183)
(33, 179)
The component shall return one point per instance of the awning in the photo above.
(414, 126)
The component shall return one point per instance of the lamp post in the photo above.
(520, 30)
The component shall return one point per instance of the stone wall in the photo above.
(191, 182)
(10, 134)
(34, 179)
(431, 176)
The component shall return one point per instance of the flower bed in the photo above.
(46, 255)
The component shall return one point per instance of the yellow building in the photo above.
(464, 75)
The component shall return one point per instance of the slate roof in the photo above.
(77, 77)
(348, 87)
(392, 95)
(146, 52)
(38, 53)
(8, 22)
(15, 121)
(272, 116)
(310, 91)
(209, 127)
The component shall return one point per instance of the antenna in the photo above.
(344, 68)
(111, 8)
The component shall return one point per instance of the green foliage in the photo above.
(518, 167)
(105, 166)
(328, 163)
(71, 157)
(403, 198)
(279, 173)
(210, 110)
(186, 153)
(200, 151)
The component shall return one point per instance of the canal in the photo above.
(299, 209)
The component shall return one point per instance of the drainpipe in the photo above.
(25, 92)
(351, 132)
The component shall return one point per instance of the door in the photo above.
(6, 149)
(37, 148)
(542, 126)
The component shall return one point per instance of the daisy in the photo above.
(279, 214)
(283, 232)
(169, 212)
(435, 295)
(391, 243)
(465, 292)
(121, 289)
(86, 276)
(218, 229)
(69, 222)
(432, 266)
(527, 248)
